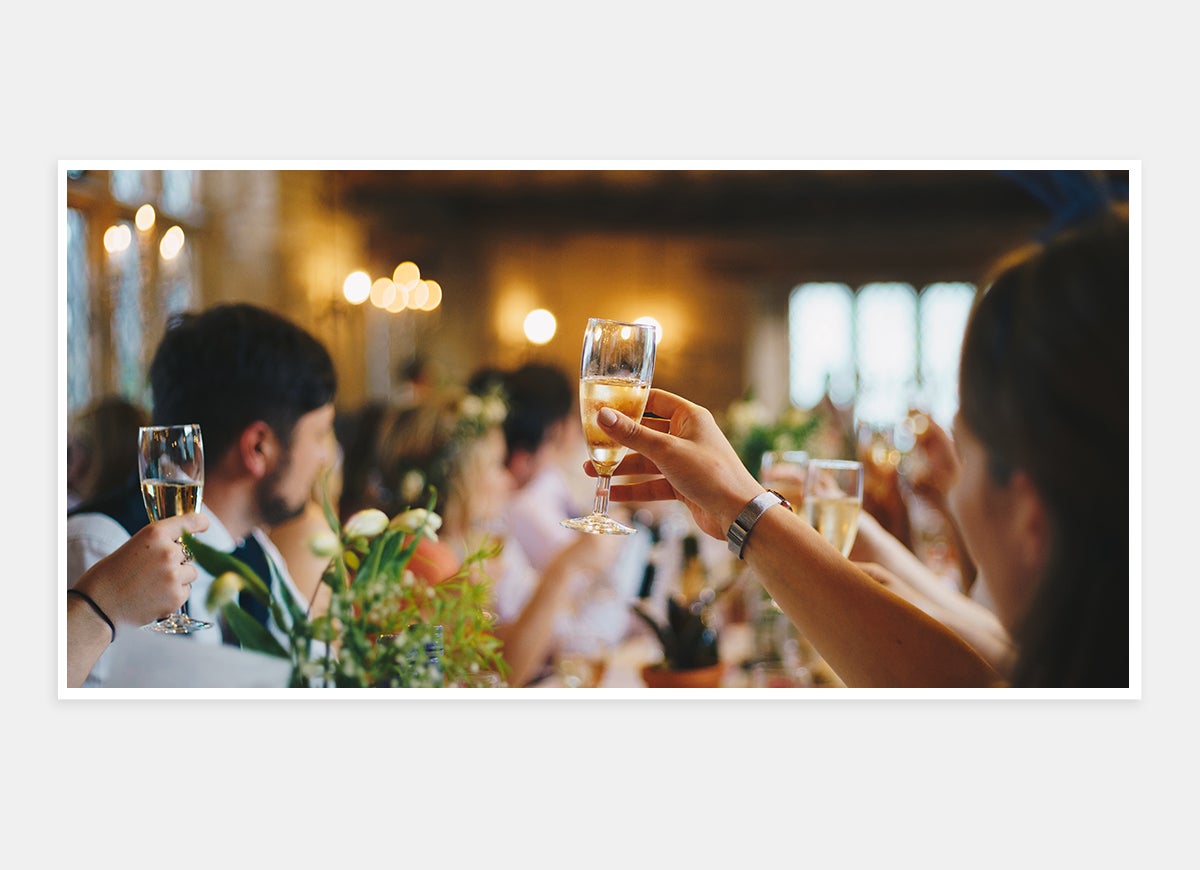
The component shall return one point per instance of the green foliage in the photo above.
(688, 641)
(752, 431)
(385, 625)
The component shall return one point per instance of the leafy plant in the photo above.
(688, 641)
(385, 626)
(753, 431)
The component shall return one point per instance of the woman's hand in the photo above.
(691, 461)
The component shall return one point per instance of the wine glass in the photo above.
(615, 372)
(833, 491)
(171, 466)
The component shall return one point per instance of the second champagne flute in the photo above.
(615, 372)
(833, 490)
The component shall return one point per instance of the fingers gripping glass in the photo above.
(171, 466)
(615, 372)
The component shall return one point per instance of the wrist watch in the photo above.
(740, 530)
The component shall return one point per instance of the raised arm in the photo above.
(869, 635)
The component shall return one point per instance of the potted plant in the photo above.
(689, 645)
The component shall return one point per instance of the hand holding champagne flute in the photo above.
(616, 369)
(171, 466)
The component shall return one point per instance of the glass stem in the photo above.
(603, 482)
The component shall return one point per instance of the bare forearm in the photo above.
(527, 638)
(867, 634)
(88, 637)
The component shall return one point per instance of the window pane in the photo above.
(944, 311)
(885, 347)
(79, 313)
(127, 185)
(127, 318)
(820, 326)
(178, 192)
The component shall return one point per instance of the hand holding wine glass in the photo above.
(171, 466)
(615, 372)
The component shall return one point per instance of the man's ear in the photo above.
(1030, 523)
(258, 448)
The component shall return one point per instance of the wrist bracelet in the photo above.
(741, 527)
(96, 607)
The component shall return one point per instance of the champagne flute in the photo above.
(615, 372)
(171, 466)
(833, 491)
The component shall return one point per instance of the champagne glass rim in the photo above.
(649, 326)
(168, 426)
(835, 463)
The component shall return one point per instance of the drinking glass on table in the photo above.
(833, 491)
(171, 467)
(783, 471)
(615, 372)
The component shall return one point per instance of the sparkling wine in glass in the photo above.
(833, 491)
(171, 466)
(615, 372)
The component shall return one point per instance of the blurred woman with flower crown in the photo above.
(453, 442)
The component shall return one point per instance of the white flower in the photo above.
(470, 406)
(323, 544)
(494, 410)
(224, 590)
(416, 520)
(365, 524)
(411, 486)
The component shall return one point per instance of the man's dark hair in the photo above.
(538, 396)
(233, 364)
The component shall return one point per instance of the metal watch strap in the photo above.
(740, 530)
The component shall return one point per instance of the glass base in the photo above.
(178, 623)
(598, 524)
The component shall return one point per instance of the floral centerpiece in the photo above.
(753, 430)
(385, 626)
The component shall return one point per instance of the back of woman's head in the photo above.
(1044, 385)
(431, 445)
(106, 432)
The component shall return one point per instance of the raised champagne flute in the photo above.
(615, 372)
(171, 466)
(833, 491)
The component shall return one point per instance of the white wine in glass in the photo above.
(615, 372)
(171, 466)
(833, 500)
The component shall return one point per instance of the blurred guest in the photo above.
(454, 443)
(543, 433)
(102, 447)
(262, 390)
(141, 581)
(1044, 388)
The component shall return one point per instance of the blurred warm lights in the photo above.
(171, 244)
(418, 295)
(540, 326)
(406, 275)
(435, 295)
(144, 219)
(117, 238)
(383, 292)
(357, 287)
(650, 321)
(403, 291)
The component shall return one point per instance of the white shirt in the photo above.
(92, 536)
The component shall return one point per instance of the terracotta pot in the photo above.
(657, 677)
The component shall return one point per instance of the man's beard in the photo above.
(271, 505)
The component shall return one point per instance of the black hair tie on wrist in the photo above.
(96, 607)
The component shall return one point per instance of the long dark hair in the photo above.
(1044, 385)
